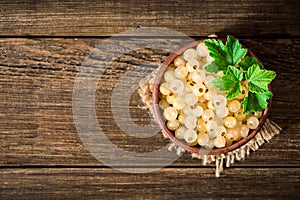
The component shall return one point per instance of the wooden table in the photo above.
(42, 48)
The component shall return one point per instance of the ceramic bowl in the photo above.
(170, 134)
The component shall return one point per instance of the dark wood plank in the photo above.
(36, 119)
(196, 183)
(105, 18)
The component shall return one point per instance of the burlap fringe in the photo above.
(266, 133)
(145, 91)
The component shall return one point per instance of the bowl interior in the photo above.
(159, 117)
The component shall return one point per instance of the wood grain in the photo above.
(44, 45)
(36, 84)
(106, 18)
(98, 183)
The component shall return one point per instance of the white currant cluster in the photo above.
(196, 111)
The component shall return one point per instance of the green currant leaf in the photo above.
(212, 68)
(248, 62)
(230, 82)
(233, 87)
(224, 55)
(234, 52)
(232, 71)
(256, 102)
(217, 51)
(258, 79)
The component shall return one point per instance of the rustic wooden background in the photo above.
(42, 46)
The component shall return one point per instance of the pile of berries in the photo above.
(197, 112)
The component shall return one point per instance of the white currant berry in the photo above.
(164, 89)
(189, 87)
(239, 115)
(208, 115)
(232, 134)
(211, 126)
(170, 113)
(171, 98)
(177, 86)
(192, 65)
(190, 54)
(218, 120)
(202, 139)
(219, 142)
(163, 104)
(257, 114)
(252, 122)
(187, 110)
(201, 50)
(230, 122)
(222, 112)
(196, 77)
(181, 72)
(169, 76)
(244, 130)
(210, 105)
(179, 103)
(242, 94)
(201, 126)
(190, 136)
(209, 94)
(212, 134)
(234, 106)
(179, 133)
(199, 89)
(181, 118)
(221, 131)
(179, 61)
(196, 111)
(191, 99)
(210, 144)
(190, 122)
(219, 101)
(173, 125)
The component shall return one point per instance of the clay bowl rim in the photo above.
(159, 117)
